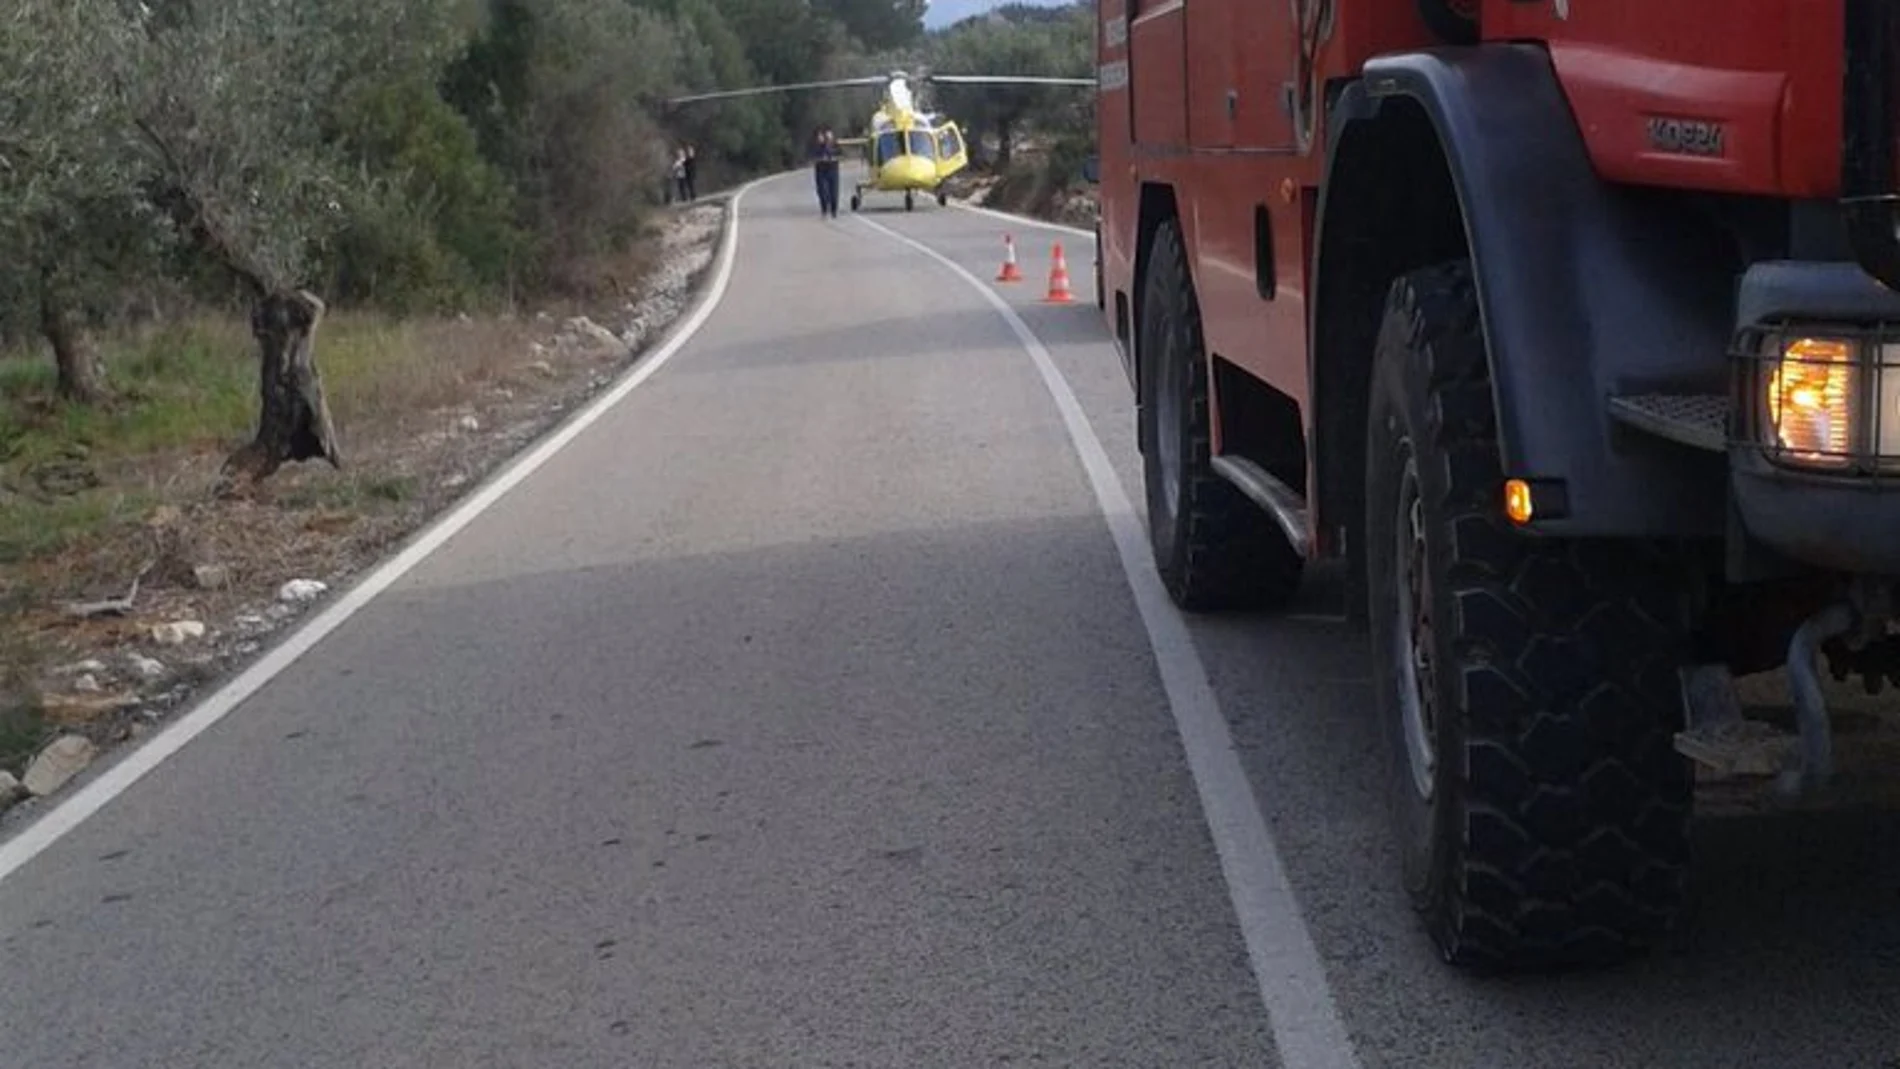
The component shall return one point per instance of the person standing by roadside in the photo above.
(824, 156)
(678, 173)
(691, 161)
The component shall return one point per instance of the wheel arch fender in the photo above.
(1585, 289)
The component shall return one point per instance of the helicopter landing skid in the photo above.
(910, 197)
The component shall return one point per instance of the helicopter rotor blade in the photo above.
(789, 87)
(1006, 79)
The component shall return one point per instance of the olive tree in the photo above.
(223, 107)
(68, 212)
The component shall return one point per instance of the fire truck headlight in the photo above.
(1811, 402)
(1887, 416)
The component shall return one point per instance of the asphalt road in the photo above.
(801, 711)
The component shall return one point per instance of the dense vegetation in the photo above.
(1023, 39)
(414, 154)
(284, 159)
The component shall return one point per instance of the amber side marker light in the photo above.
(1518, 507)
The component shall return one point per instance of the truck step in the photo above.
(1280, 501)
(1692, 419)
(1740, 756)
(1741, 748)
(1718, 737)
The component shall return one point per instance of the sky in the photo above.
(941, 13)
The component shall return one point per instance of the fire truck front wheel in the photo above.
(1213, 547)
(1527, 685)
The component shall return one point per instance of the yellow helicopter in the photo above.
(907, 149)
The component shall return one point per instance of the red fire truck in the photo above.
(1564, 325)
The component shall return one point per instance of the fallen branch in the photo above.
(86, 610)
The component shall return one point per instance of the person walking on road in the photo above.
(824, 167)
(678, 174)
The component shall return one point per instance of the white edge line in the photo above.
(73, 810)
(1306, 1025)
(1022, 220)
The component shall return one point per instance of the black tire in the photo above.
(1455, 22)
(1549, 826)
(943, 199)
(910, 201)
(1213, 547)
(1101, 291)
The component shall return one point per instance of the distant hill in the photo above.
(941, 13)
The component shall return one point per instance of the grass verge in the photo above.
(93, 496)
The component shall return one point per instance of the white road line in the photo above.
(94, 796)
(1023, 220)
(1306, 1025)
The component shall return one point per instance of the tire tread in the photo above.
(1575, 805)
(1234, 555)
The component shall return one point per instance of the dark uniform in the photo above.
(824, 168)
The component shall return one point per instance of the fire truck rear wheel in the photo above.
(1213, 547)
(1527, 684)
(1101, 294)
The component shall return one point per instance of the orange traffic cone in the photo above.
(1059, 279)
(1009, 272)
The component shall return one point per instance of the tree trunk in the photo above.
(73, 351)
(1005, 134)
(294, 418)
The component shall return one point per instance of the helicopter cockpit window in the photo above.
(920, 144)
(887, 145)
(948, 144)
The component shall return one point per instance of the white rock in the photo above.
(91, 666)
(211, 576)
(145, 667)
(87, 684)
(469, 423)
(66, 757)
(178, 632)
(455, 482)
(301, 591)
(250, 621)
(586, 330)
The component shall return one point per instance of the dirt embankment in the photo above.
(1034, 187)
(126, 586)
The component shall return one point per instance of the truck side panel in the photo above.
(1239, 194)
(1157, 72)
(1212, 85)
(1246, 248)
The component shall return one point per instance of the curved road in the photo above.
(813, 706)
